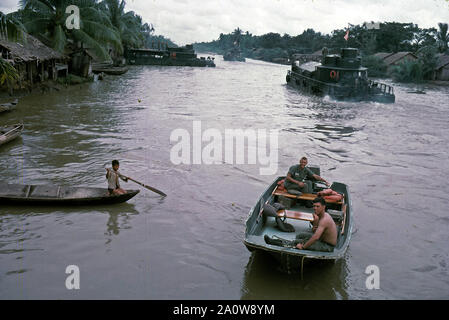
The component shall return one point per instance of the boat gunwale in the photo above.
(11, 134)
(324, 66)
(15, 127)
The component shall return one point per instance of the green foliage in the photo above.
(73, 79)
(47, 18)
(424, 38)
(427, 56)
(7, 72)
(128, 25)
(11, 28)
(153, 40)
(443, 36)
(104, 26)
(418, 70)
(376, 66)
(268, 54)
(390, 37)
(407, 71)
(395, 36)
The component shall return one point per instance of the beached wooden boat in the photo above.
(116, 71)
(299, 216)
(8, 106)
(59, 195)
(8, 133)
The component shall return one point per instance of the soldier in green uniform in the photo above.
(296, 182)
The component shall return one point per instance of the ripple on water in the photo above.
(389, 155)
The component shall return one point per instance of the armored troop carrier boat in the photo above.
(339, 76)
(180, 56)
(234, 55)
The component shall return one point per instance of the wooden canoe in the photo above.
(111, 70)
(8, 133)
(59, 195)
(299, 216)
(8, 106)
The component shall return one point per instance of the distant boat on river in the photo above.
(341, 77)
(180, 56)
(234, 55)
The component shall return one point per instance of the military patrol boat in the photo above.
(169, 56)
(339, 76)
(234, 55)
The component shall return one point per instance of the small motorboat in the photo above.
(299, 216)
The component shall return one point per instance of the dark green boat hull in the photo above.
(339, 93)
(17, 194)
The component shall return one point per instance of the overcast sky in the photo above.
(187, 21)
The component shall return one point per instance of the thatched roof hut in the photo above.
(399, 57)
(30, 49)
(32, 59)
(383, 55)
(441, 71)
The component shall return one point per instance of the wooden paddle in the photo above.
(143, 185)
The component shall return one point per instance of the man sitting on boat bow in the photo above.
(113, 179)
(295, 182)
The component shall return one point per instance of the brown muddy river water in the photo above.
(189, 245)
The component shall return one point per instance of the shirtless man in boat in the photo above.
(295, 182)
(113, 179)
(324, 237)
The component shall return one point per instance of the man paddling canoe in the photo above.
(112, 175)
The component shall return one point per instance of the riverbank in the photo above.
(46, 86)
(438, 82)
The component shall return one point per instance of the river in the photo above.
(189, 245)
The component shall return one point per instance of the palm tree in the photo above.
(129, 25)
(47, 19)
(10, 29)
(7, 72)
(237, 33)
(443, 36)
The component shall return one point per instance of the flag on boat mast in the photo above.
(347, 32)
